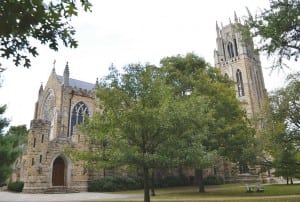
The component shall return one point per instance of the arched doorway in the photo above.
(58, 172)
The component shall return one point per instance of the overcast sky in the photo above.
(123, 32)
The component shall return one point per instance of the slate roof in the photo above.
(77, 83)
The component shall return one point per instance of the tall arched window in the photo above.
(230, 50)
(235, 47)
(79, 112)
(240, 84)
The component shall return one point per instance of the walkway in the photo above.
(72, 197)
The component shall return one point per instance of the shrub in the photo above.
(213, 180)
(115, 183)
(15, 186)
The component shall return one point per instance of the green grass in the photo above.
(228, 193)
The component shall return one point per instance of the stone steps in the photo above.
(60, 190)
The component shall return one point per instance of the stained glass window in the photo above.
(79, 112)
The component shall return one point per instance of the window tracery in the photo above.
(79, 112)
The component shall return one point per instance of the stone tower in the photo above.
(239, 61)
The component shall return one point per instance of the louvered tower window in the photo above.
(240, 84)
(230, 50)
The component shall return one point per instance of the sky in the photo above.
(122, 32)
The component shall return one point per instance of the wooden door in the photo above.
(58, 173)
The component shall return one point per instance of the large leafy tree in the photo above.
(153, 117)
(139, 119)
(25, 21)
(229, 135)
(9, 145)
(282, 128)
(278, 28)
(285, 105)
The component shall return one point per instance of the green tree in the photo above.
(287, 163)
(47, 22)
(285, 105)
(138, 118)
(228, 132)
(9, 146)
(151, 118)
(281, 133)
(278, 28)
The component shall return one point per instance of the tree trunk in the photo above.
(199, 176)
(146, 185)
(292, 181)
(152, 183)
(287, 180)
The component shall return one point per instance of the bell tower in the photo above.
(237, 59)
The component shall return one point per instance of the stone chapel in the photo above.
(62, 104)
(65, 102)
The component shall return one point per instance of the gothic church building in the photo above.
(64, 103)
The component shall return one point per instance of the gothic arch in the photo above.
(78, 114)
(61, 168)
(230, 49)
(48, 110)
(48, 106)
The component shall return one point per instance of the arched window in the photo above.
(79, 112)
(235, 47)
(230, 50)
(240, 85)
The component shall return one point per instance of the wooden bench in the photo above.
(252, 188)
(259, 188)
(249, 189)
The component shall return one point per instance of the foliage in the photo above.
(282, 128)
(227, 130)
(115, 183)
(3, 121)
(214, 180)
(139, 118)
(278, 29)
(183, 113)
(10, 148)
(15, 186)
(47, 22)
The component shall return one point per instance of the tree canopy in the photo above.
(182, 113)
(282, 128)
(278, 28)
(24, 22)
(9, 145)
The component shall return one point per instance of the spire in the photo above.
(41, 89)
(235, 18)
(53, 69)
(229, 21)
(217, 29)
(66, 75)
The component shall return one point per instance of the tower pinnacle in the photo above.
(66, 75)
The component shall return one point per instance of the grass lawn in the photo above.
(228, 193)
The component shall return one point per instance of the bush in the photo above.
(213, 180)
(15, 186)
(115, 183)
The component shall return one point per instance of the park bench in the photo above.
(257, 188)
(249, 189)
